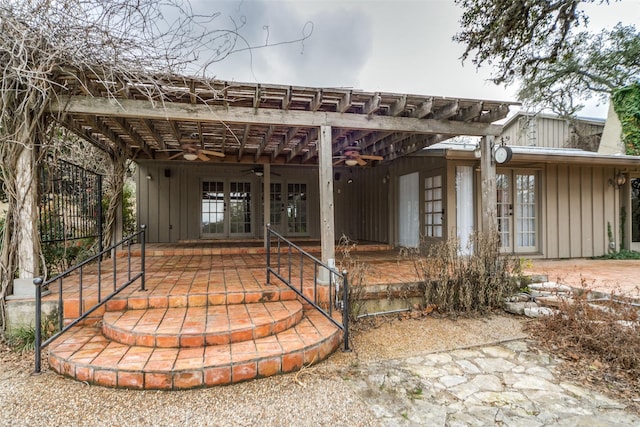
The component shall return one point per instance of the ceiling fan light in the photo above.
(259, 173)
(190, 156)
(351, 162)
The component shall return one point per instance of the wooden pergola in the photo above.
(264, 124)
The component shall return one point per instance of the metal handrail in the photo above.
(335, 278)
(40, 283)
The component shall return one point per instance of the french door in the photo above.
(517, 211)
(289, 208)
(226, 209)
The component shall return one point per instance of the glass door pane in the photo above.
(297, 208)
(277, 207)
(213, 208)
(526, 212)
(505, 209)
(239, 208)
(433, 206)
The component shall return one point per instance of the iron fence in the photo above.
(70, 203)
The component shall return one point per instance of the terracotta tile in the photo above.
(137, 303)
(178, 301)
(133, 380)
(158, 301)
(157, 381)
(145, 340)
(242, 335)
(84, 373)
(269, 367)
(262, 331)
(244, 371)
(197, 300)
(167, 341)
(235, 298)
(292, 361)
(105, 378)
(188, 379)
(217, 376)
(217, 339)
(192, 341)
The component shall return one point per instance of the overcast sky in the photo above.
(375, 45)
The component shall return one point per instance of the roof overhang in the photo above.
(257, 123)
(537, 155)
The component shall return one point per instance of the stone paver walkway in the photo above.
(506, 384)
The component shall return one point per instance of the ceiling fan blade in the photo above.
(213, 153)
(368, 157)
(338, 162)
(360, 161)
(202, 157)
(175, 156)
(276, 174)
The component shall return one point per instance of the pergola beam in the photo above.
(128, 108)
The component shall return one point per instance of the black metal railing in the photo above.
(70, 203)
(130, 276)
(286, 254)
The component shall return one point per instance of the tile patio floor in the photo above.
(209, 318)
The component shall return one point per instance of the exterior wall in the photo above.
(545, 131)
(579, 203)
(171, 206)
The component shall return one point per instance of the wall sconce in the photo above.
(149, 177)
(618, 180)
(350, 180)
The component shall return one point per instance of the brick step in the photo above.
(199, 326)
(86, 355)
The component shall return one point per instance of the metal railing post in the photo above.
(267, 235)
(345, 309)
(143, 259)
(38, 326)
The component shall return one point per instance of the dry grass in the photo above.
(600, 344)
(357, 277)
(457, 283)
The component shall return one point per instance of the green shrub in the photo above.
(23, 338)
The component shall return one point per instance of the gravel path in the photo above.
(320, 395)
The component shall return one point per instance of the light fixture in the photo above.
(149, 177)
(621, 179)
(351, 162)
(259, 173)
(190, 156)
(350, 180)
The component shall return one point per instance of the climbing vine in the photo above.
(626, 102)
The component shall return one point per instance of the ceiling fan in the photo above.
(351, 156)
(258, 171)
(193, 152)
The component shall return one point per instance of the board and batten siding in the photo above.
(578, 202)
(170, 206)
(543, 131)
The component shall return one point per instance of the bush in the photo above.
(457, 283)
(23, 338)
(357, 277)
(599, 343)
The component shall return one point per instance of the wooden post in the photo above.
(27, 219)
(327, 227)
(488, 178)
(266, 197)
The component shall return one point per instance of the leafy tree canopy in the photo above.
(544, 47)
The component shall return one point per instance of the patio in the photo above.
(207, 316)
